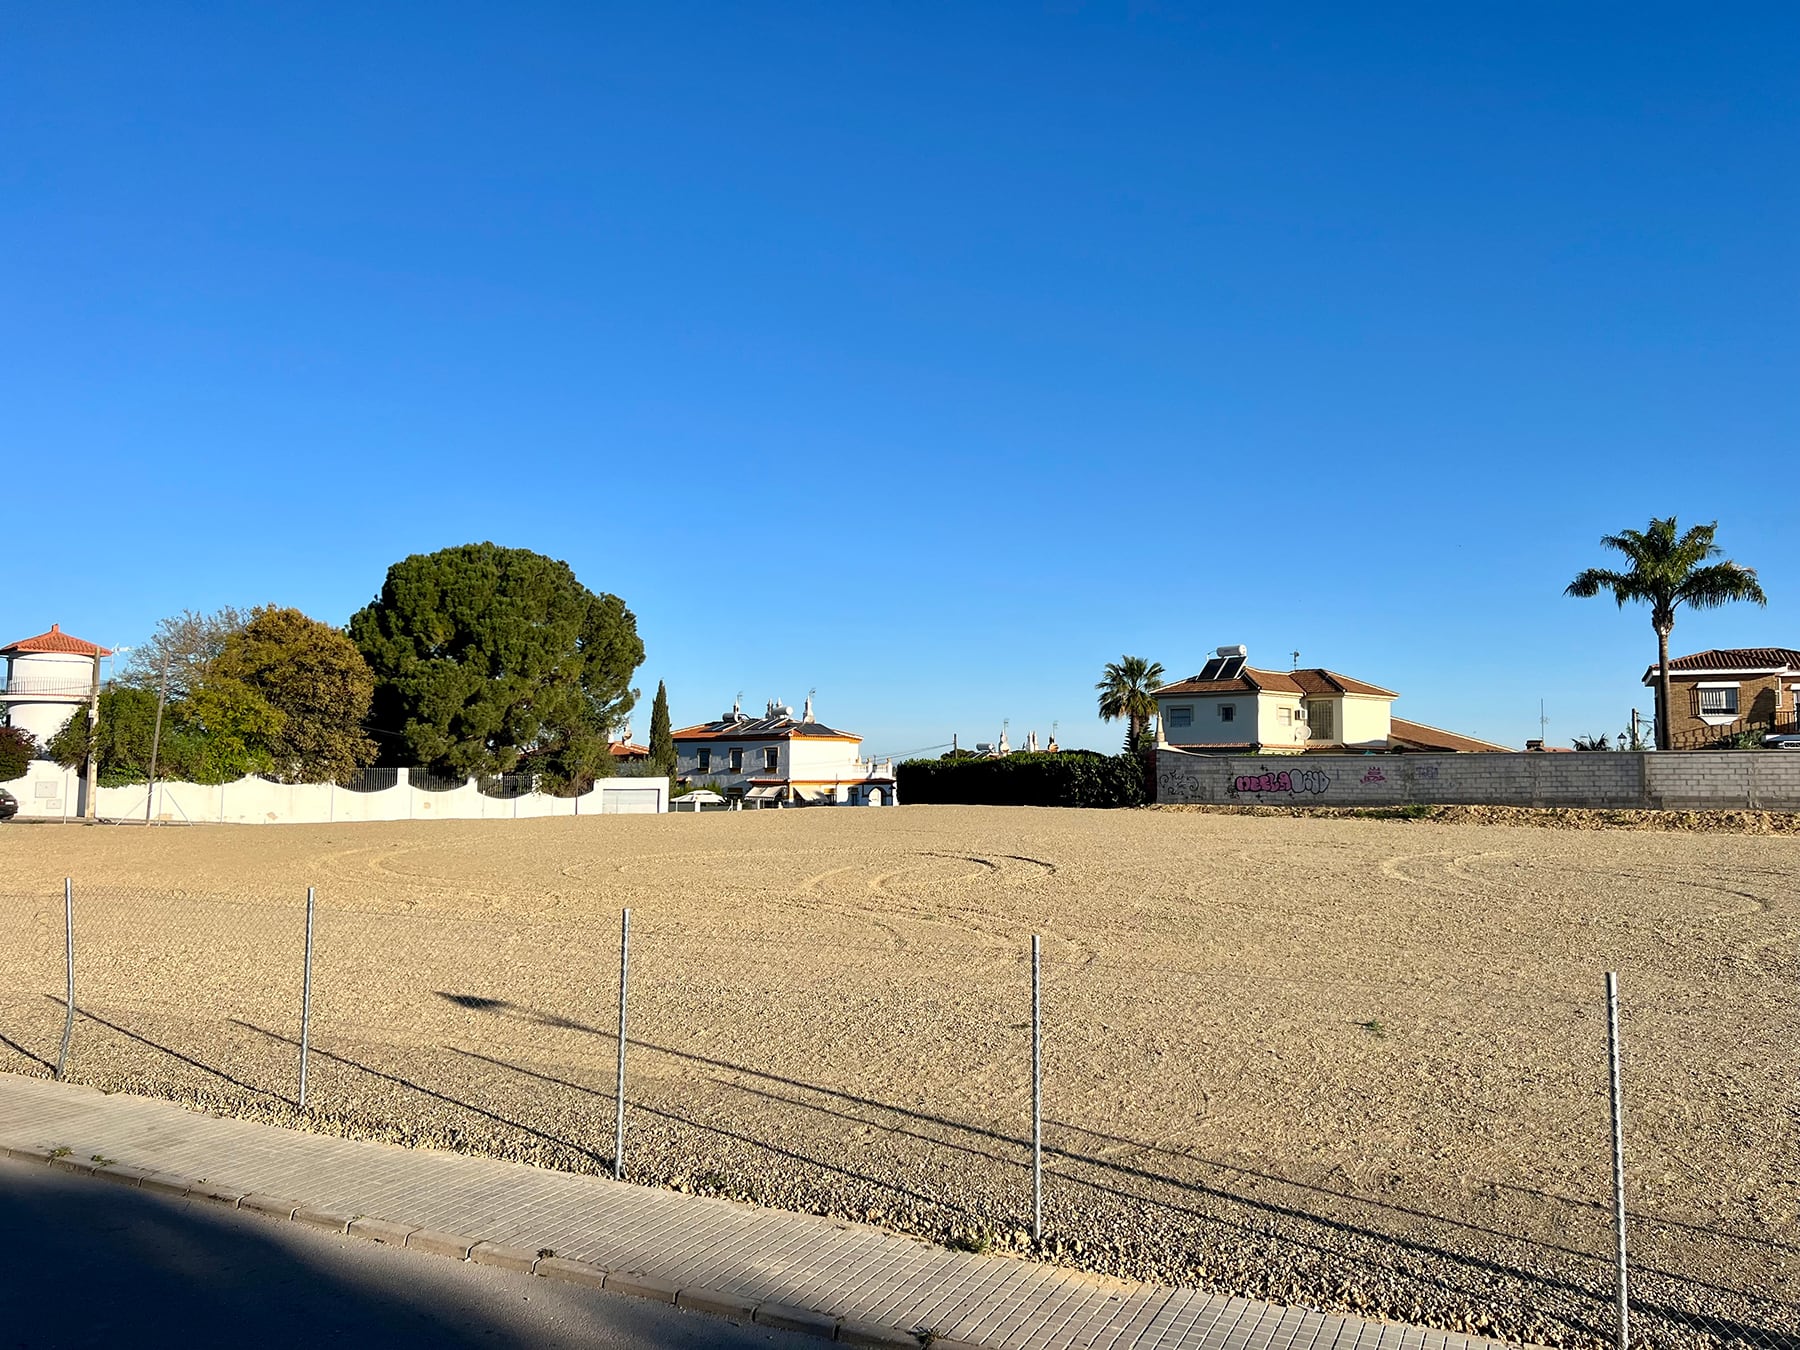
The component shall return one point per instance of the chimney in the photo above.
(807, 716)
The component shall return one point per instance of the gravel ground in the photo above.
(1356, 1064)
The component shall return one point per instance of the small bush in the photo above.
(17, 750)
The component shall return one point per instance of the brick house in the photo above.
(1715, 696)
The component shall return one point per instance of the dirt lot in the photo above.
(1357, 1064)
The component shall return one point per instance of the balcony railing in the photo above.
(1785, 723)
(47, 685)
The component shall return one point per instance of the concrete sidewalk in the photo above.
(839, 1280)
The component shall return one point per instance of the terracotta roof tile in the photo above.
(55, 642)
(1435, 738)
(1315, 682)
(1733, 658)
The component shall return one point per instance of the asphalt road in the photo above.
(88, 1263)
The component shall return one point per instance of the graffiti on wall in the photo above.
(1374, 776)
(1298, 781)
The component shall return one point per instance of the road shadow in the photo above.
(92, 1265)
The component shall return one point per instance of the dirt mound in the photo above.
(1543, 817)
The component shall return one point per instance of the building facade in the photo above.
(1231, 707)
(781, 760)
(1717, 695)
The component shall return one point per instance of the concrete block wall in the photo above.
(1702, 780)
(50, 792)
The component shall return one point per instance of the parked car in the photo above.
(9, 805)
(1781, 742)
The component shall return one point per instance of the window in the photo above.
(771, 758)
(1287, 717)
(1181, 717)
(1718, 702)
(1318, 714)
(1228, 712)
(737, 760)
(703, 760)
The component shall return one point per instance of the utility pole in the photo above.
(91, 809)
(162, 696)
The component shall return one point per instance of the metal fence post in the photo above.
(306, 998)
(62, 1058)
(1618, 1155)
(619, 1106)
(1037, 1097)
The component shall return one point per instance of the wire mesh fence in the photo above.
(1397, 1144)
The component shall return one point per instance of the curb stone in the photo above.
(166, 1182)
(269, 1204)
(642, 1286)
(506, 1258)
(785, 1317)
(382, 1230)
(323, 1218)
(697, 1299)
(453, 1245)
(573, 1272)
(734, 1306)
(874, 1336)
(211, 1190)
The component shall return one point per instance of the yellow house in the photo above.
(1231, 707)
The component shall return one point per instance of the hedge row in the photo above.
(1069, 778)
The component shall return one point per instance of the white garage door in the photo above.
(628, 801)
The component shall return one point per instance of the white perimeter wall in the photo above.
(50, 792)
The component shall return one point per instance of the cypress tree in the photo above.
(662, 740)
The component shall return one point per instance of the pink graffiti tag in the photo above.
(1374, 776)
(1306, 780)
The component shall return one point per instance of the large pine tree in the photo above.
(482, 654)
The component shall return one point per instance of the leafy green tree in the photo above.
(315, 678)
(482, 654)
(662, 738)
(17, 750)
(121, 736)
(1127, 690)
(1668, 569)
(217, 736)
(220, 733)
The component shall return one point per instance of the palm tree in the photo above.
(1128, 691)
(1669, 570)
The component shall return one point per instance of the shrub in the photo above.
(1070, 778)
(17, 750)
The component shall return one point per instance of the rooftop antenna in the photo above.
(1296, 656)
(1543, 724)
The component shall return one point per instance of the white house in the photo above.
(1231, 707)
(49, 678)
(780, 760)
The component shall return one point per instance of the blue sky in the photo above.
(928, 355)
